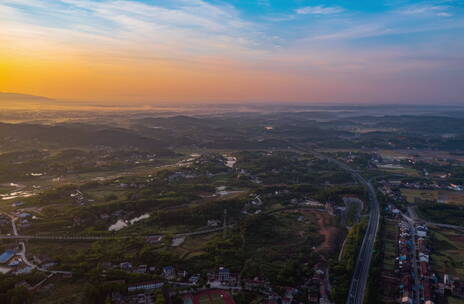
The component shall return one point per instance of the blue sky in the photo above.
(364, 50)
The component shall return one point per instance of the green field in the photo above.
(446, 196)
(412, 194)
(452, 300)
(390, 245)
(405, 171)
(448, 258)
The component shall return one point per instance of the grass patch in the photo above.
(413, 195)
(452, 300)
(448, 248)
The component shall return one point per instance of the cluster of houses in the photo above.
(450, 286)
(254, 205)
(318, 286)
(422, 253)
(432, 286)
(333, 209)
(417, 282)
(222, 277)
(413, 264)
(405, 262)
(392, 188)
(142, 292)
(12, 263)
(24, 219)
(79, 197)
(392, 211)
(169, 273)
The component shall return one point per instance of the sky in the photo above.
(237, 51)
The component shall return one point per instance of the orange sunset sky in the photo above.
(228, 51)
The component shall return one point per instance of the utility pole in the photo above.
(224, 224)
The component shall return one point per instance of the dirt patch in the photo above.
(332, 235)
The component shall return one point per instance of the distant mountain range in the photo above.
(21, 97)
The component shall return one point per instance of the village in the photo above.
(415, 278)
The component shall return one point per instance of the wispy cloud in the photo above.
(134, 39)
(437, 10)
(444, 14)
(184, 28)
(319, 10)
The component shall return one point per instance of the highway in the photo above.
(363, 262)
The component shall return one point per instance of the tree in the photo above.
(159, 297)
(20, 295)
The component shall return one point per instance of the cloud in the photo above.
(444, 14)
(437, 10)
(182, 29)
(319, 10)
(211, 41)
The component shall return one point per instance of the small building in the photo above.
(153, 239)
(421, 233)
(141, 269)
(24, 215)
(194, 278)
(223, 274)
(213, 223)
(6, 256)
(182, 274)
(169, 272)
(17, 204)
(125, 266)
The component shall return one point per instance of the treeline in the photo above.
(289, 168)
(336, 193)
(20, 164)
(199, 215)
(13, 292)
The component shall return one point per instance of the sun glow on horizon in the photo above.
(201, 51)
